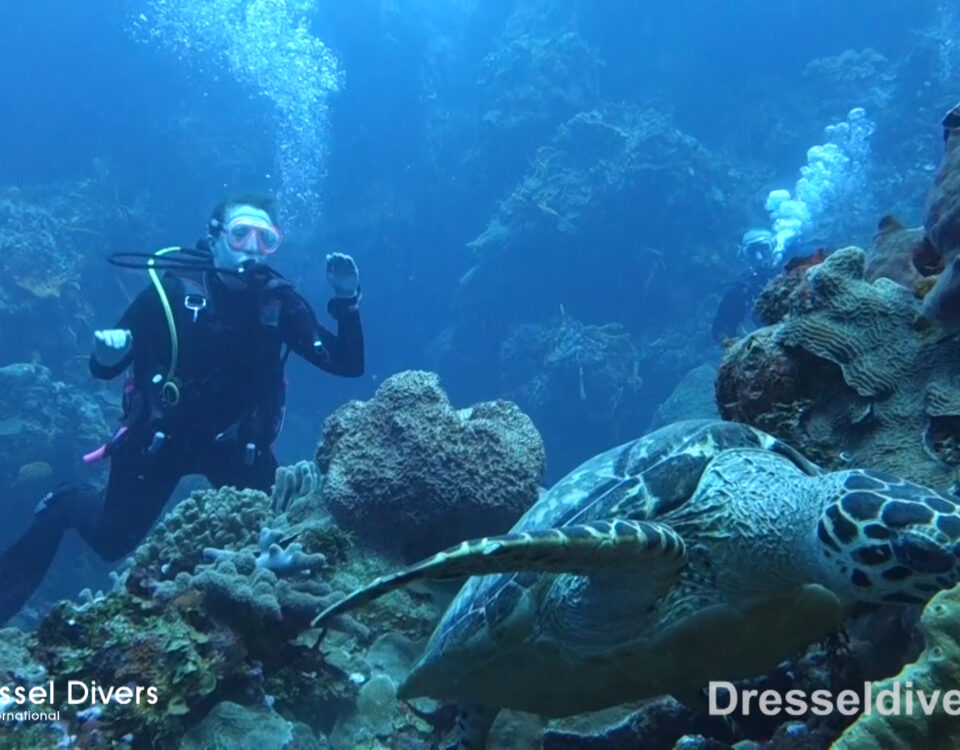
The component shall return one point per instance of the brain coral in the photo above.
(846, 377)
(412, 475)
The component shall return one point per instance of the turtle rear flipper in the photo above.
(582, 549)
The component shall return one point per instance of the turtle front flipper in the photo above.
(581, 549)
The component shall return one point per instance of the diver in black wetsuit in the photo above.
(206, 394)
(759, 256)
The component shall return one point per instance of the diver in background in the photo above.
(207, 391)
(758, 253)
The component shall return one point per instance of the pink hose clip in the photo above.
(104, 450)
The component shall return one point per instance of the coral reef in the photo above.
(409, 474)
(846, 378)
(934, 673)
(293, 485)
(853, 366)
(228, 518)
(592, 158)
(38, 267)
(214, 611)
(569, 375)
(378, 719)
(864, 76)
(285, 559)
(538, 69)
(44, 421)
(849, 369)
(53, 236)
(539, 253)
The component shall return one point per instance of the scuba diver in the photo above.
(758, 252)
(206, 344)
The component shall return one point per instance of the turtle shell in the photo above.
(639, 480)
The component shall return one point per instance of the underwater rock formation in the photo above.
(901, 254)
(692, 398)
(410, 474)
(942, 221)
(942, 225)
(845, 377)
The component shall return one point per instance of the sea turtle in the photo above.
(706, 550)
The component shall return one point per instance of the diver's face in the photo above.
(248, 235)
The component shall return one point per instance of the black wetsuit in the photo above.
(736, 306)
(230, 380)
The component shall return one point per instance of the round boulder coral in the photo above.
(412, 475)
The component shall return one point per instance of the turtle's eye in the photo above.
(922, 554)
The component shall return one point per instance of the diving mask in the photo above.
(758, 246)
(239, 231)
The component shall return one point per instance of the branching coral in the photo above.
(289, 560)
(294, 482)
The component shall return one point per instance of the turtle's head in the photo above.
(887, 540)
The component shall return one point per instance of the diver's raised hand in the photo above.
(110, 345)
(343, 275)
